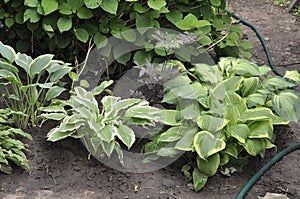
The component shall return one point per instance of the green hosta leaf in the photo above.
(208, 74)
(49, 6)
(58, 74)
(209, 166)
(110, 6)
(255, 146)
(126, 135)
(92, 4)
(53, 116)
(231, 149)
(82, 35)
(157, 4)
(261, 130)
(186, 142)
(108, 147)
(39, 64)
(54, 92)
(260, 113)
(256, 99)
(263, 70)
(250, 86)
(199, 179)
(206, 144)
(287, 105)
(108, 133)
(293, 76)
(211, 123)
(236, 100)
(7, 52)
(239, 132)
(190, 111)
(84, 13)
(277, 83)
(233, 83)
(64, 24)
(144, 112)
(171, 135)
(9, 67)
(168, 117)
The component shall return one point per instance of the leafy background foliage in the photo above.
(64, 27)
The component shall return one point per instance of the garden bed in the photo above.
(62, 169)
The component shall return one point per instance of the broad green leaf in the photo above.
(190, 110)
(144, 112)
(65, 9)
(53, 109)
(293, 76)
(156, 4)
(231, 149)
(205, 40)
(255, 146)
(9, 67)
(209, 166)
(239, 132)
(256, 99)
(9, 76)
(126, 135)
(7, 52)
(206, 144)
(100, 40)
(92, 4)
(208, 74)
(49, 6)
(215, 3)
(64, 24)
(186, 142)
(211, 123)
(263, 70)
(110, 6)
(261, 130)
(142, 57)
(32, 15)
(54, 92)
(232, 83)
(31, 3)
(174, 16)
(75, 4)
(84, 13)
(260, 113)
(287, 105)
(199, 179)
(189, 22)
(81, 34)
(99, 89)
(128, 34)
(39, 64)
(108, 147)
(277, 83)
(58, 74)
(245, 67)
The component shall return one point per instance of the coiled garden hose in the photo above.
(286, 151)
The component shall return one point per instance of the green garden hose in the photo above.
(286, 151)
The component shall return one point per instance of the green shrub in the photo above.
(64, 27)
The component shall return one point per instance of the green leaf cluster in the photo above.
(11, 148)
(225, 110)
(64, 27)
(41, 84)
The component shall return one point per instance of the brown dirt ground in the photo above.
(62, 169)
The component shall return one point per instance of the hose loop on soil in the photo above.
(286, 151)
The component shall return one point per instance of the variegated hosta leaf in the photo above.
(99, 89)
(85, 99)
(293, 76)
(143, 112)
(7, 52)
(233, 83)
(199, 179)
(126, 135)
(208, 74)
(245, 68)
(255, 146)
(206, 144)
(186, 142)
(168, 152)
(287, 105)
(211, 123)
(261, 130)
(256, 99)
(108, 147)
(239, 132)
(276, 83)
(39, 64)
(259, 113)
(250, 86)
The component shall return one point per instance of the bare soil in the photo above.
(63, 170)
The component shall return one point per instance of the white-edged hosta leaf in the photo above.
(255, 146)
(168, 152)
(259, 113)
(236, 100)
(277, 83)
(168, 117)
(171, 135)
(54, 92)
(256, 99)
(108, 147)
(7, 52)
(210, 165)
(126, 135)
(95, 142)
(206, 144)
(109, 102)
(231, 149)
(245, 67)
(119, 151)
(53, 116)
(211, 123)
(5, 74)
(233, 83)
(8, 66)
(58, 74)
(23, 61)
(190, 110)
(39, 64)
(107, 133)
(239, 132)
(143, 112)
(250, 85)
(209, 74)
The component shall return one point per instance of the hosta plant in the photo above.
(11, 148)
(40, 84)
(103, 127)
(226, 110)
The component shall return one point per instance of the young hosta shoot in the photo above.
(104, 127)
(226, 109)
(11, 148)
(41, 84)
